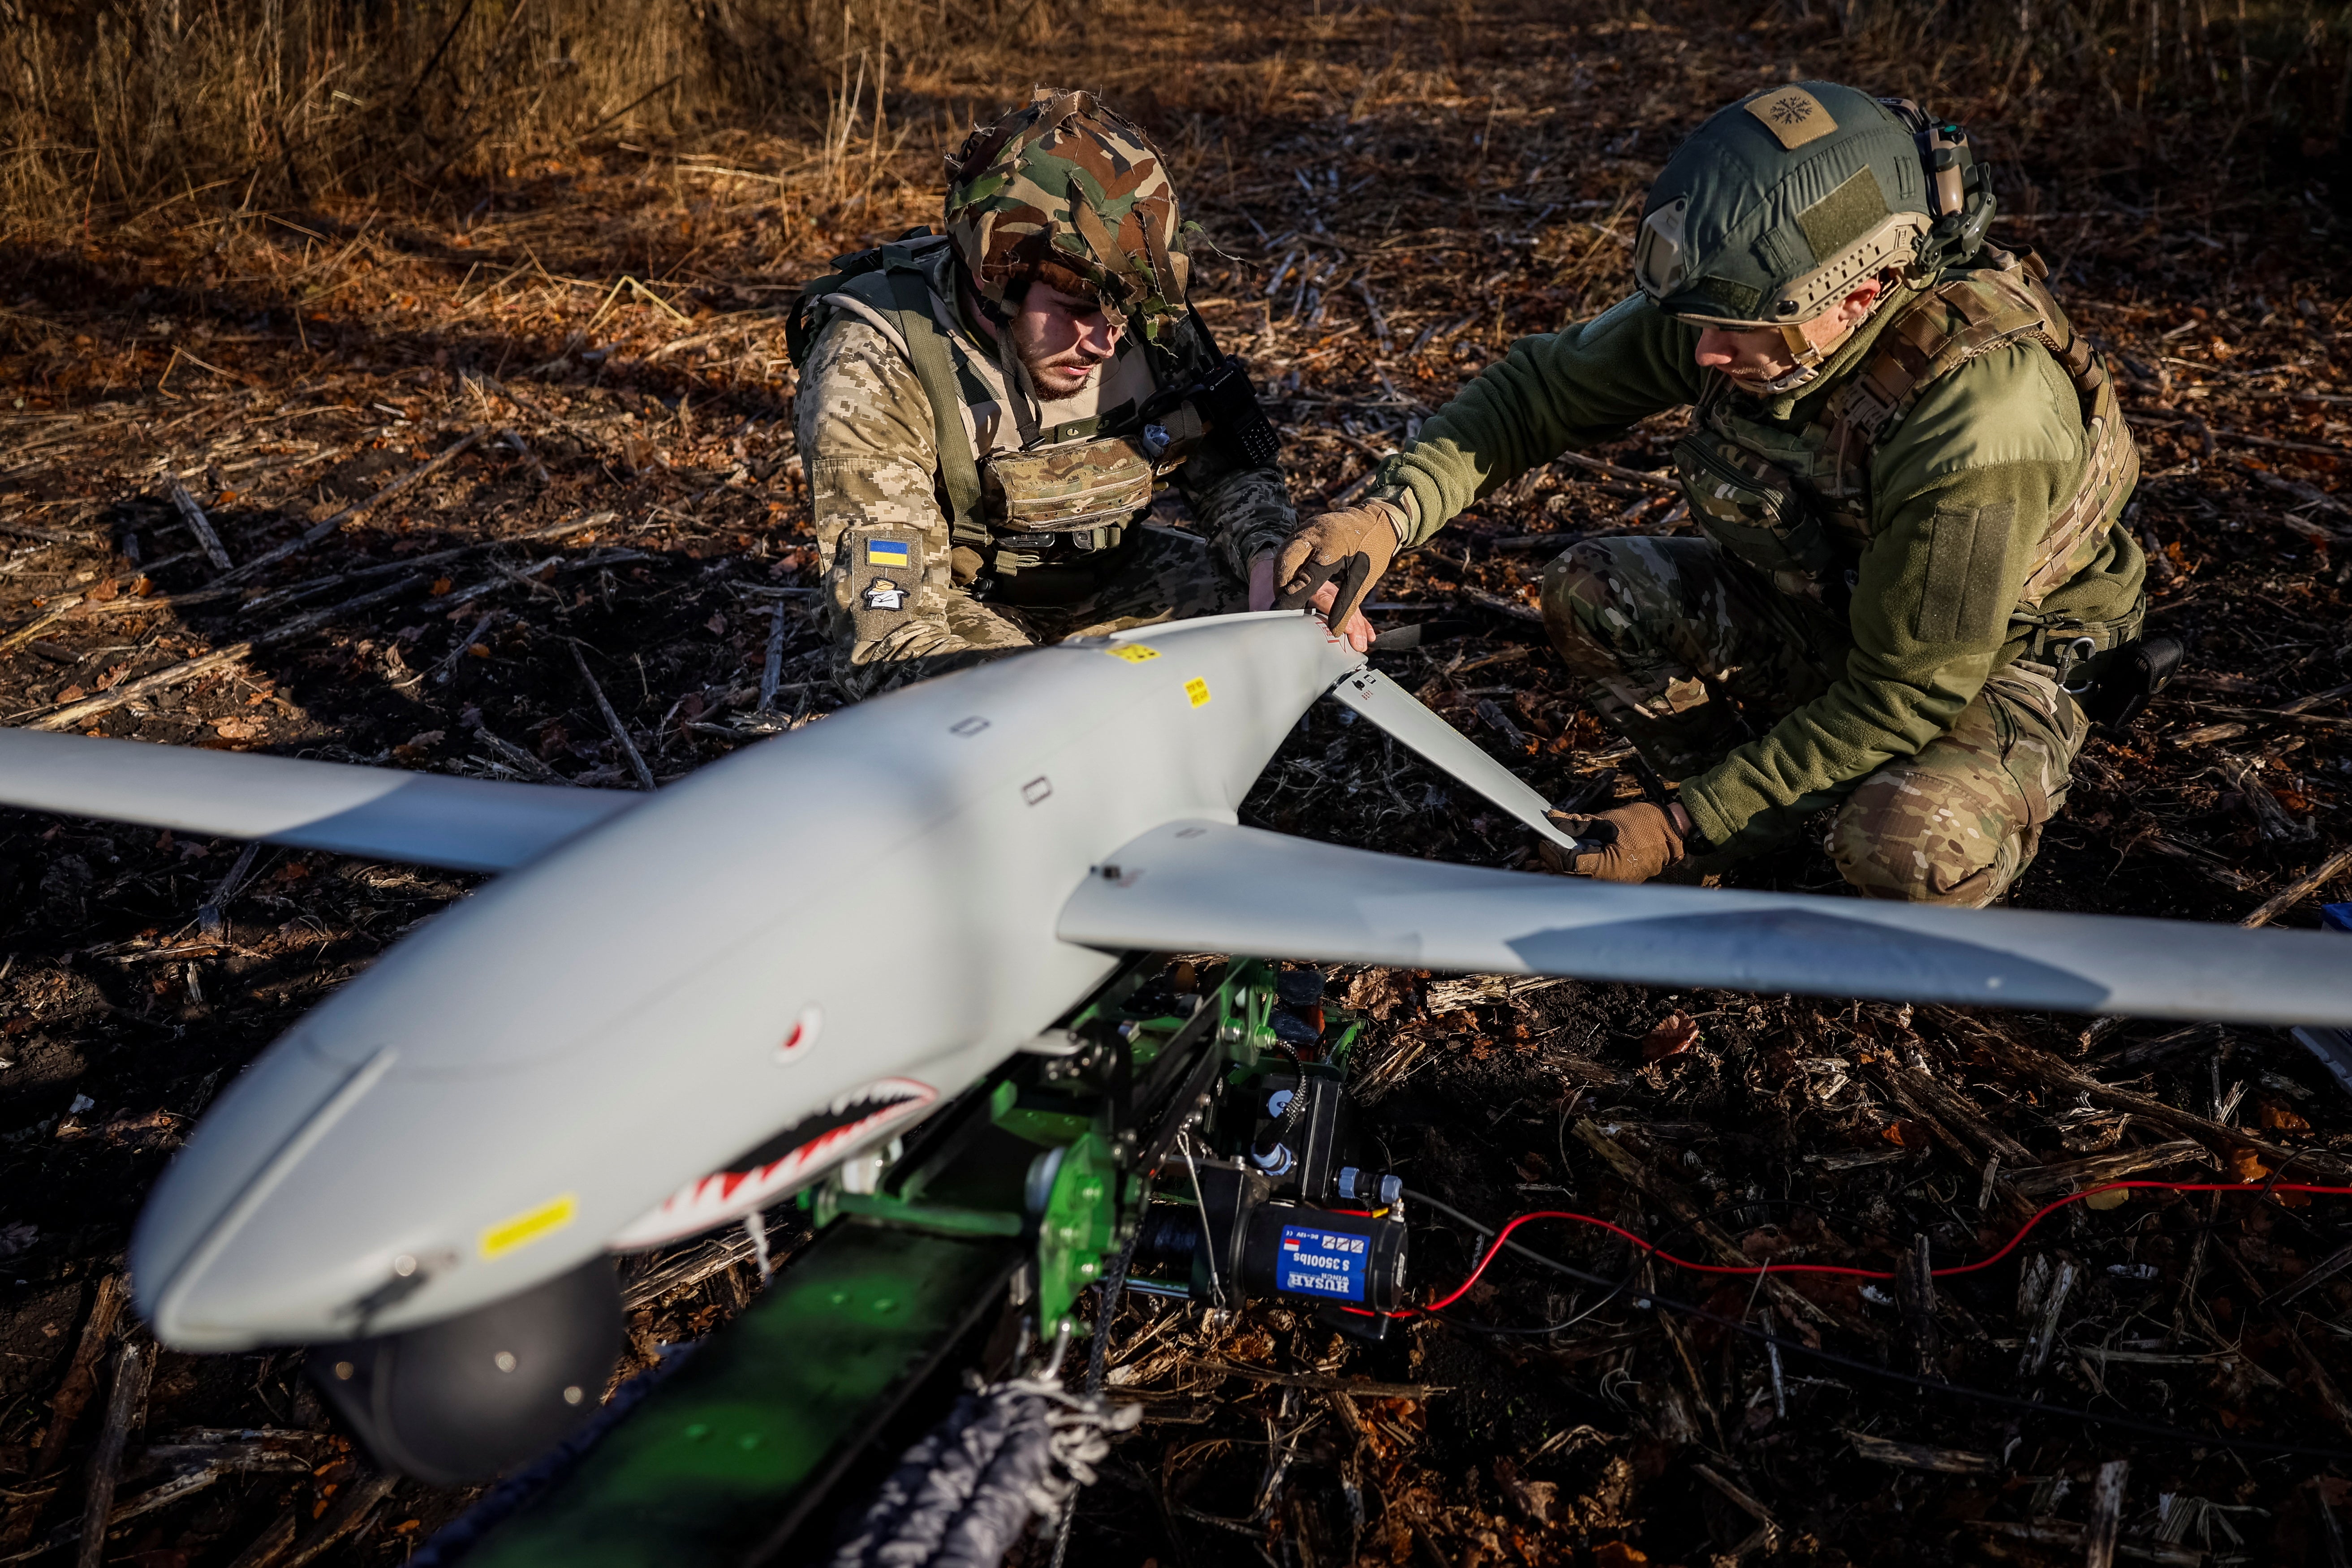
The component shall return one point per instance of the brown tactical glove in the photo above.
(1629, 844)
(1349, 549)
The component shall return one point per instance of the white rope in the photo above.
(1006, 1455)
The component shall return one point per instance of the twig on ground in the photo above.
(209, 914)
(613, 721)
(772, 672)
(440, 672)
(277, 597)
(220, 658)
(126, 1408)
(319, 531)
(359, 1499)
(2302, 887)
(199, 526)
(73, 1393)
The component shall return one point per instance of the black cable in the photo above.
(1932, 1384)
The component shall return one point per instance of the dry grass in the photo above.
(109, 106)
(110, 110)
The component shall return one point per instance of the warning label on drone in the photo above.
(1321, 1263)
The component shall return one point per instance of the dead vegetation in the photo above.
(453, 431)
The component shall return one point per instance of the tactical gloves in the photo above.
(1629, 844)
(1349, 549)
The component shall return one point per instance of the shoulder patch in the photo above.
(884, 567)
(1968, 587)
(1792, 115)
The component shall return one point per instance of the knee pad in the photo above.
(1891, 839)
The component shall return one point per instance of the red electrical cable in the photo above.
(1496, 1247)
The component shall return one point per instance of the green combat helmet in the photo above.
(1066, 190)
(1780, 205)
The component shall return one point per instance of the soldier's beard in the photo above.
(1065, 374)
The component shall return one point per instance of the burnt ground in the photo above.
(1396, 197)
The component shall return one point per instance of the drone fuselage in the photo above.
(708, 1000)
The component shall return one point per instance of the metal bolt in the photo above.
(574, 1394)
(504, 1361)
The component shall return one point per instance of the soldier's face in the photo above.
(1063, 338)
(1761, 354)
(1756, 355)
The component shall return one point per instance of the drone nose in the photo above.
(203, 1258)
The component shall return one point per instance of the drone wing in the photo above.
(465, 824)
(1375, 697)
(1203, 887)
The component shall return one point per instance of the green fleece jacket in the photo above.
(1961, 491)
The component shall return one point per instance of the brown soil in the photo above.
(604, 320)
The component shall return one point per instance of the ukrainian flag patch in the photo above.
(887, 553)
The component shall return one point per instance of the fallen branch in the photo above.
(2072, 1538)
(199, 526)
(1499, 604)
(350, 1511)
(1918, 1457)
(126, 1407)
(1619, 471)
(2049, 1070)
(186, 1484)
(47, 535)
(417, 563)
(2302, 887)
(2040, 1182)
(73, 1393)
(319, 531)
(35, 626)
(220, 658)
(613, 721)
(1316, 1380)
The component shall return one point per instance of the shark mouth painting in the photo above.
(789, 1160)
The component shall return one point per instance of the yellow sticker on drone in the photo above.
(1197, 690)
(1793, 116)
(1133, 652)
(528, 1226)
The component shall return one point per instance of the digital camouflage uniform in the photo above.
(1901, 557)
(1019, 522)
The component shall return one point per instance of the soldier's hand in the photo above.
(1344, 552)
(1628, 844)
(1356, 629)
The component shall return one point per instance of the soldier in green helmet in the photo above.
(985, 415)
(1911, 592)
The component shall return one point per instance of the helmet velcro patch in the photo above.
(1792, 115)
(1727, 298)
(1846, 214)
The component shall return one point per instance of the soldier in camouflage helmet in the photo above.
(985, 415)
(1911, 590)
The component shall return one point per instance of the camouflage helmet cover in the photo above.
(1783, 201)
(1067, 189)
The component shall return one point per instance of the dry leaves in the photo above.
(1672, 1036)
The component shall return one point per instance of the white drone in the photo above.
(674, 1009)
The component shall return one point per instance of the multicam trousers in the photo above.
(1166, 574)
(1690, 654)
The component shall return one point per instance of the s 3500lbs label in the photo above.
(1321, 1263)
